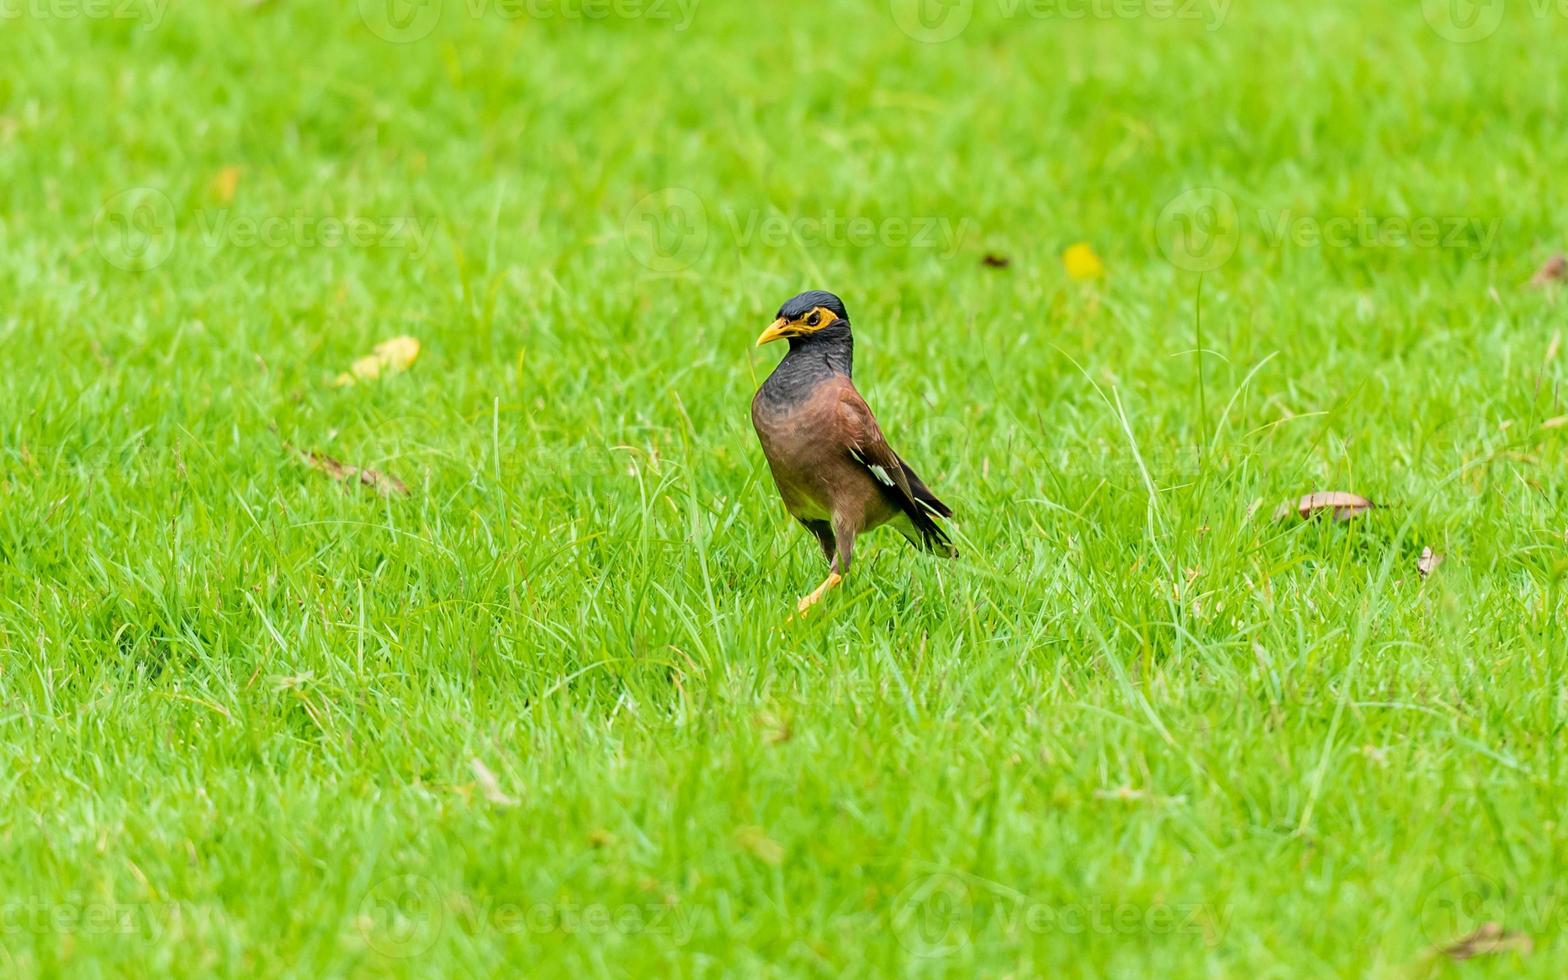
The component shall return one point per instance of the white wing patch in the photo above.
(876, 471)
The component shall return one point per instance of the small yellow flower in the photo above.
(1081, 262)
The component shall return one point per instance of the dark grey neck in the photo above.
(834, 344)
(811, 360)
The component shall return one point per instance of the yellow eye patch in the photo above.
(816, 319)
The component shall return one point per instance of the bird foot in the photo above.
(804, 606)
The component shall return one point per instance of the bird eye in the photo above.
(813, 319)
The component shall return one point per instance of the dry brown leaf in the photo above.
(994, 261)
(1555, 270)
(757, 841)
(1428, 562)
(1489, 939)
(489, 785)
(389, 357)
(1343, 505)
(385, 484)
(776, 729)
(224, 183)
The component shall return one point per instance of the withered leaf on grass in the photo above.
(385, 484)
(1344, 506)
(224, 183)
(776, 729)
(1555, 270)
(1428, 562)
(389, 357)
(763, 847)
(1489, 940)
(489, 785)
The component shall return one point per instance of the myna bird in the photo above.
(836, 473)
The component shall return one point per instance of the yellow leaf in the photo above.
(224, 183)
(1082, 263)
(489, 784)
(390, 357)
(763, 847)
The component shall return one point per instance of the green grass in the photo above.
(1138, 729)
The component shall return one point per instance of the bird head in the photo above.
(804, 315)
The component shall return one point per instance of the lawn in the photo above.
(1125, 276)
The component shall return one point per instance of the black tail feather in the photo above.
(933, 537)
(923, 493)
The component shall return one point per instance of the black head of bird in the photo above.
(835, 471)
(807, 317)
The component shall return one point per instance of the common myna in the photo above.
(837, 475)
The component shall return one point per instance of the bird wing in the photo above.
(869, 448)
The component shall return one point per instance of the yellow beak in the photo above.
(778, 330)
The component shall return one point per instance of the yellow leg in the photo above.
(811, 600)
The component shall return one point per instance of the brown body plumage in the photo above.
(834, 469)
